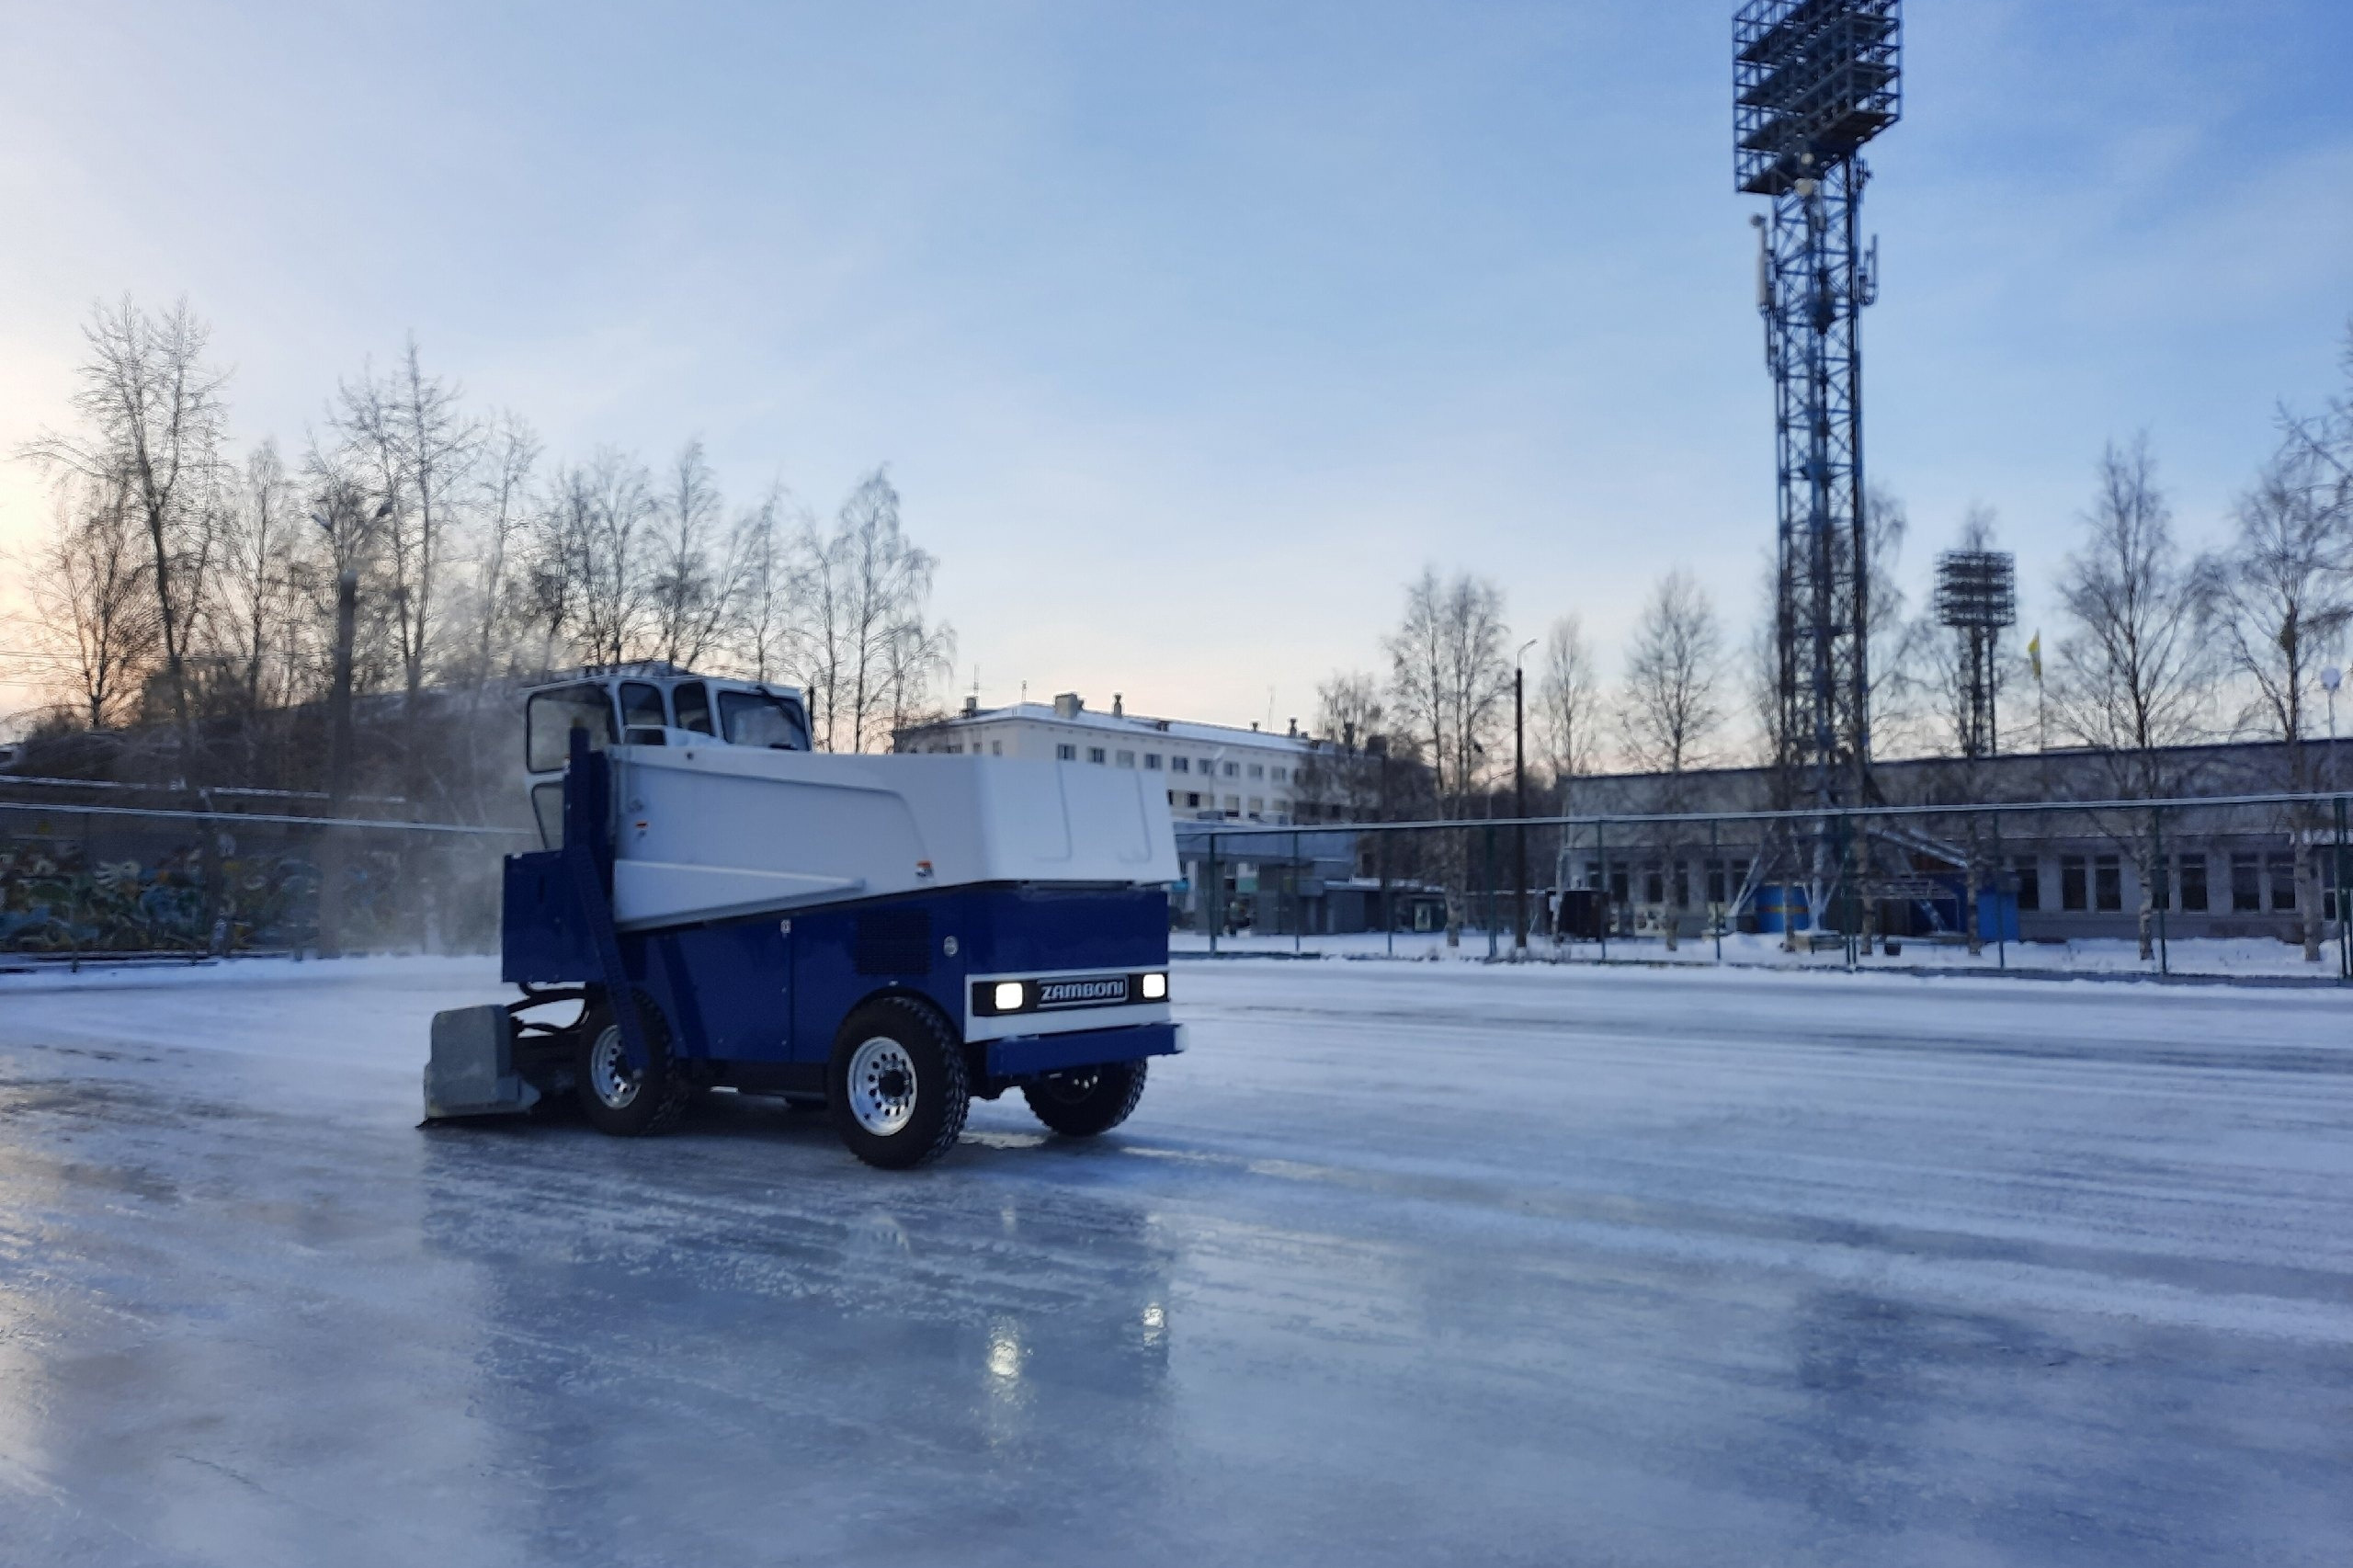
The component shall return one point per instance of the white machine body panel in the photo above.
(707, 832)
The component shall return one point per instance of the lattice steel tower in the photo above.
(1813, 80)
(1977, 597)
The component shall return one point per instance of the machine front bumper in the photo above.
(1022, 1056)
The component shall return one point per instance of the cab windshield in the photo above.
(755, 719)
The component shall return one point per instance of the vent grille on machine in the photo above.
(893, 941)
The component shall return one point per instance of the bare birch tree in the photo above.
(154, 422)
(773, 552)
(2135, 671)
(258, 593)
(93, 613)
(1346, 771)
(2283, 602)
(410, 429)
(1568, 705)
(589, 579)
(867, 652)
(1669, 713)
(691, 592)
(1450, 684)
(510, 452)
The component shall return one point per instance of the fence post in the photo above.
(2344, 949)
(2001, 923)
(2164, 890)
(1387, 911)
(1849, 915)
(1601, 848)
(1297, 899)
(1490, 891)
(1214, 888)
(1716, 868)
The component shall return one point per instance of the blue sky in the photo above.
(1191, 331)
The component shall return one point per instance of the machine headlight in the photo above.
(1007, 997)
(1155, 987)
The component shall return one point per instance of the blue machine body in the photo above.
(760, 998)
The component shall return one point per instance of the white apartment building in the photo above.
(1213, 771)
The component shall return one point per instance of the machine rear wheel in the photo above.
(1087, 1100)
(897, 1086)
(617, 1098)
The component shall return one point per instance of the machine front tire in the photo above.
(613, 1099)
(1086, 1101)
(897, 1085)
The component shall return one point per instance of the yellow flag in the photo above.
(2034, 653)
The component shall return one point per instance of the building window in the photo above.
(2107, 884)
(1095, 754)
(1193, 799)
(1257, 805)
(1617, 884)
(2246, 889)
(1654, 885)
(1257, 771)
(2283, 881)
(2072, 892)
(1716, 893)
(1172, 797)
(1282, 775)
(1066, 754)
(2029, 875)
(2193, 883)
(1127, 759)
(1233, 770)
(1181, 764)
(1152, 761)
(1233, 805)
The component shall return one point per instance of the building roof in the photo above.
(1139, 725)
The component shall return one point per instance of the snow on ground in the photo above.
(1402, 1263)
(2238, 958)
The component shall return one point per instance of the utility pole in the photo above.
(1519, 796)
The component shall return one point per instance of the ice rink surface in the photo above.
(1400, 1265)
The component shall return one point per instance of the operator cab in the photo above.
(648, 704)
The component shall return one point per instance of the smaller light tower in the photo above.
(1977, 597)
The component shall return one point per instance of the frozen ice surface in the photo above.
(1401, 1263)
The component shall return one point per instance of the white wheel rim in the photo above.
(611, 1078)
(881, 1085)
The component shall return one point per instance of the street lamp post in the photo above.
(1520, 797)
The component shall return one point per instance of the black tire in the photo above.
(628, 1105)
(1087, 1100)
(909, 1108)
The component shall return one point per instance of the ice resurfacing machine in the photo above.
(890, 936)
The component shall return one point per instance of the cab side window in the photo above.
(693, 702)
(642, 707)
(551, 718)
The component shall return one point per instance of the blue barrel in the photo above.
(1781, 907)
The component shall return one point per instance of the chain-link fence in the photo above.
(2243, 886)
(103, 882)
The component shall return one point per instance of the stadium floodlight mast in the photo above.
(1812, 81)
(1977, 597)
